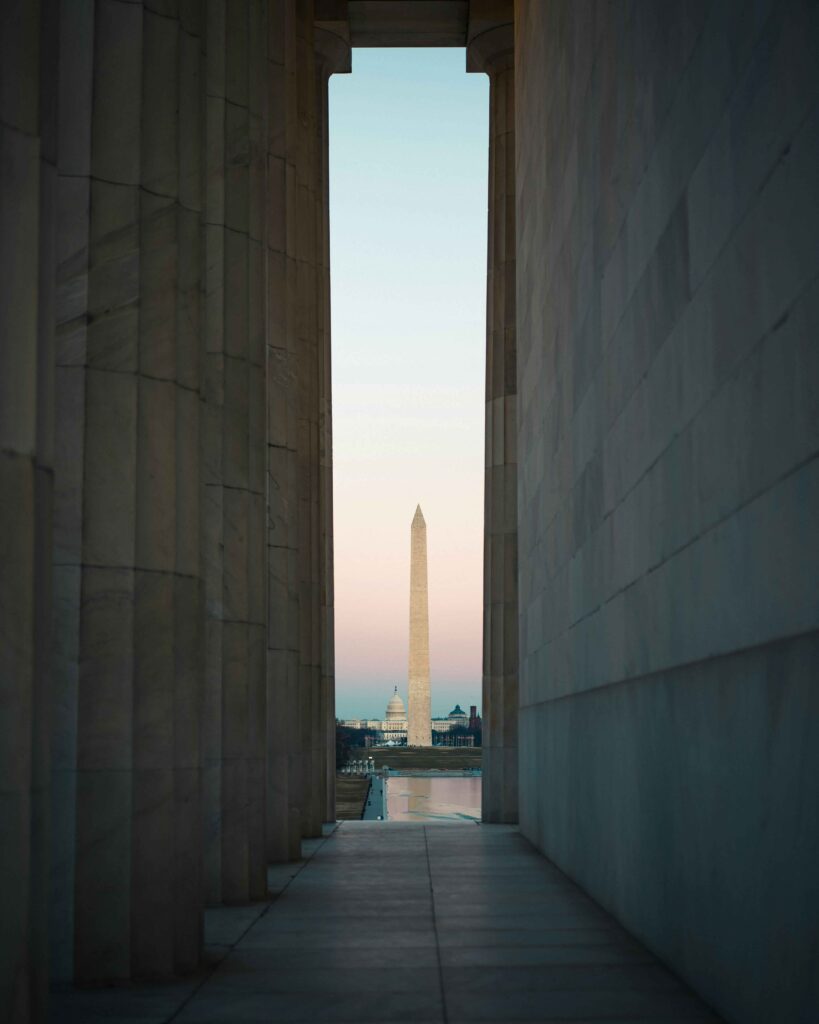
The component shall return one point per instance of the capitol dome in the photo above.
(395, 708)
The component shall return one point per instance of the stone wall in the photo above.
(668, 422)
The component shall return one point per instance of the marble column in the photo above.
(492, 51)
(300, 682)
(302, 144)
(284, 755)
(332, 57)
(128, 597)
(296, 793)
(28, 40)
(234, 450)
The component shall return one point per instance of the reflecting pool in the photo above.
(425, 797)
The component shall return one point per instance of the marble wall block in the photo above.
(666, 301)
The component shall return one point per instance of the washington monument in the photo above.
(419, 731)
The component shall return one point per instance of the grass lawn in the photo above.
(351, 792)
(422, 758)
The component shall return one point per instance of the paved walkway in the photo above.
(407, 922)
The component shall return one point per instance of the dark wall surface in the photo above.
(668, 389)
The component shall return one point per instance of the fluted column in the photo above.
(284, 755)
(332, 57)
(492, 51)
(234, 450)
(28, 96)
(303, 244)
(128, 603)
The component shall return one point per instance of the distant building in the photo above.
(457, 719)
(458, 716)
(392, 728)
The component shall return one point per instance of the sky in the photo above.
(408, 199)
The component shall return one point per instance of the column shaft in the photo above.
(128, 667)
(284, 761)
(332, 56)
(28, 40)
(492, 51)
(234, 553)
(306, 242)
(301, 718)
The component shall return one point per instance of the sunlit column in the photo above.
(492, 51)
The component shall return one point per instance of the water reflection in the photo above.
(414, 798)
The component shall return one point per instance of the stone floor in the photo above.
(391, 922)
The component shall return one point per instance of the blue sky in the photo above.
(408, 198)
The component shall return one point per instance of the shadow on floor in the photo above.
(385, 922)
